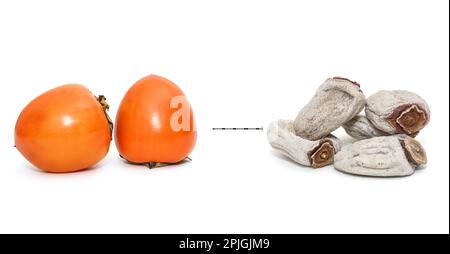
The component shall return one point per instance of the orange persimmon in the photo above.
(63, 130)
(155, 123)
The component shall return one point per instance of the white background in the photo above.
(241, 63)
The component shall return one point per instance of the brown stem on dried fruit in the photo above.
(102, 100)
(409, 119)
(322, 154)
(152, 164)
(414, 151)
(346, 79)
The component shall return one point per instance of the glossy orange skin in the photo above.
(63, 130)
(142, 128)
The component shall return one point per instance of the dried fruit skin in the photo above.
(143, 132)
(308, 153)
(398, 112)
(379, 156)
(361, 128)
(336, 101)
(63, 130)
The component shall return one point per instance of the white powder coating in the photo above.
(382, 105)
(379, 156)
(361, 128)
(282, 137)
(335, 103)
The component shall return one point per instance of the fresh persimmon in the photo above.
(65, 129)
(155, 123)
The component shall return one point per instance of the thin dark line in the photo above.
(238, 129)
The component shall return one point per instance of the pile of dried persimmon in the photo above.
(386, 133)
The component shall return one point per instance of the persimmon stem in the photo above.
(102, 100)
